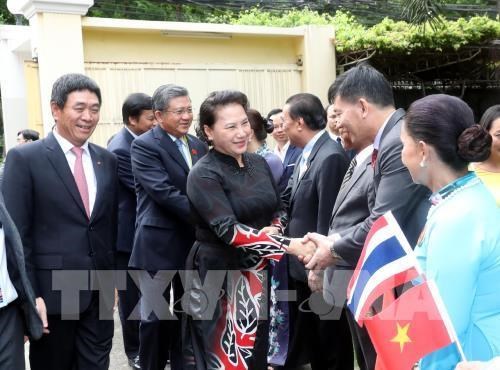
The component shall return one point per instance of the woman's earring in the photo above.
(422, 163)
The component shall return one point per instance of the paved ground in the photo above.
(118, 359)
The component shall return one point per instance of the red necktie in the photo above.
(374, 157)
(80, 180)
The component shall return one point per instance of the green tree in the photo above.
(5, 16)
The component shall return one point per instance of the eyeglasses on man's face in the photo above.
(180, 112)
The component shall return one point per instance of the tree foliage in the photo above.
(386, 36)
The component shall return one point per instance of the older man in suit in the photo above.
(161, 160)
(18, 312)
(138, 117)
(365, 107)
(309, 199)
(61, 194)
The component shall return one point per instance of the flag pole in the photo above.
(446, 318)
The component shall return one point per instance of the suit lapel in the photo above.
(193, 151)
(60, 164)
(358, 172)
(295, 177)
(100, 176)
(168, 144)
(127, 136)
(288, 154)
(395, 118)
(314, 151)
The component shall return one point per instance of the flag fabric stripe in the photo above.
(387, 253)
(415, 315)
(382, 288)
(377, 225)
(386, 262)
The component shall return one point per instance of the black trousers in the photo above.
(127, 300)
(11, 338)
(365, 352)
(160, 337)
(319, 333)
(82, 344)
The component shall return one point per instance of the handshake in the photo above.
(315, 252)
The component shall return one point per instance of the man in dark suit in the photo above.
(161, 159)
(288, 153)
(138, 117)
(61, 194)
(365, 106)
(18, 312)
(309, 200)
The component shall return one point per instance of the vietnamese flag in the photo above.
(409, 328)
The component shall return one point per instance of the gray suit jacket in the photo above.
(17, 274)
(392, 190)
(351, 208)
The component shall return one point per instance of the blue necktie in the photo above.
(180, 146)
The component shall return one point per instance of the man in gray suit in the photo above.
(18, 312)
(351, 208)
(365, 107)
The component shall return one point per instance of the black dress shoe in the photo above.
(134, 362)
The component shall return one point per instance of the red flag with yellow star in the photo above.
(412, 326)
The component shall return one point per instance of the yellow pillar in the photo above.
(318, 57)
(56, 43)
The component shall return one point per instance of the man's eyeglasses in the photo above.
(180, 112)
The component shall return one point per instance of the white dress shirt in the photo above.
(306, 152)
(7, 291)
(88, 168)
(282, 153)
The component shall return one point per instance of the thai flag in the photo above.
(386, 261)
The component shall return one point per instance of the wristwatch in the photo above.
(333, 253)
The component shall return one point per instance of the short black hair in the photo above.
(364, 81)
(134, 105)
(70, 82)
(272, 112)
(309, 108)
(447, 123)
(29, 134)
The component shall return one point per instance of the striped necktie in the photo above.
(350, 171)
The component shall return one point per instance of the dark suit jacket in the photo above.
(119, 145)
(392, 190)
(310, 199)
(17, 274)
(292, 155)
(164, 234)
(43, 200)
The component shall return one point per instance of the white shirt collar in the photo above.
(306, 152)
(65, 145)
(174, 139)
(282, 153)
(135, 136)
(376, 142)
(363, 154)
